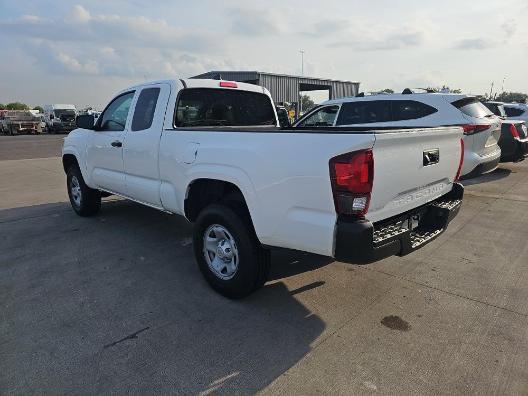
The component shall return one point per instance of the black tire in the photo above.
(253, 261)
(89, 202)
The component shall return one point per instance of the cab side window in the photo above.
(145, 108)
(323, 117)
(115, 116)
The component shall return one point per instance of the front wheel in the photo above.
(84, 200)
(228, 252)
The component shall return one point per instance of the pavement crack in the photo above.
(128, 337)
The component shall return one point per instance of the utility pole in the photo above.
(302, 75)
(302, 62)
(504, 79)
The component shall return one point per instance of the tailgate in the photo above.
(411, 168)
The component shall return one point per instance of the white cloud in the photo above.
(93, 48)
(257, 22)
(80, 14)
(80, 25)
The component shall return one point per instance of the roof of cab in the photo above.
(200, 83)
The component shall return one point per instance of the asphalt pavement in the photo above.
(116, 304)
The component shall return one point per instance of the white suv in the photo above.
(482, 128)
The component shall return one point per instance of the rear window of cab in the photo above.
(210, 107)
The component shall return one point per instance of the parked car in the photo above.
(516, 111)
(513, 140)
(15, 122)
(213, 152)
(282, 115)
(481, 127)
(496, 108)
(59, 118)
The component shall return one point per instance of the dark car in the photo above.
(496, 108)
(282, 115)
(513, 141)
(514, 136)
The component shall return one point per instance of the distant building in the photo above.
(285, 88)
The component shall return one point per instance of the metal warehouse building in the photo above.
(285, 88)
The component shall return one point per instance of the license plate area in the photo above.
(413, 221)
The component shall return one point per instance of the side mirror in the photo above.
(85, 121)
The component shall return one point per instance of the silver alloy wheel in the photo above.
(75, 189)
(220, 251)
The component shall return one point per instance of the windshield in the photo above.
(64, 112)
(222, 107)
(323, 117)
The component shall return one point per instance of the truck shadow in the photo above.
(115, 303)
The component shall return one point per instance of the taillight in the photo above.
(514, 132)
(461, 162)
(228, 84)
(351, 176)
(470, 129)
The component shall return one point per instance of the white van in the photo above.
(60, 117)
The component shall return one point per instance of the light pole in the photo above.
(302, 74)
(302, 62)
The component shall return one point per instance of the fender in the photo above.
(233, 175)
(72, 150)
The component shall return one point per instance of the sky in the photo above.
(82, 52)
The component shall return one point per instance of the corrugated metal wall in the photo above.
(284, 88)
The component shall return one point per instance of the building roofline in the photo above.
(277, 75)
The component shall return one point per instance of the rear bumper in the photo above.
(362, 242)
(473, 160)
(484, 167)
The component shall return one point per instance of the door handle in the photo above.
(117, 143)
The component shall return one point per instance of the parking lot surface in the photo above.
(115, 303)
(30, 146)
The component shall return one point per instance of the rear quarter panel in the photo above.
(284, 177)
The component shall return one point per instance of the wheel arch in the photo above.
(68, 160)
(204, 191)
(71, 157)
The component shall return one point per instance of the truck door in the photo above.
(105, 151)
(141, 144)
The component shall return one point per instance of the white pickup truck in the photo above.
(213, 152)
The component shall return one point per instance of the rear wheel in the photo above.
(228, 252)
(84, 200)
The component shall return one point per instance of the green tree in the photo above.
(386, 90)
(17, 106)
(40, 109)
(307, 103)
(2, 106)
(512, 97)
(444, 88)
